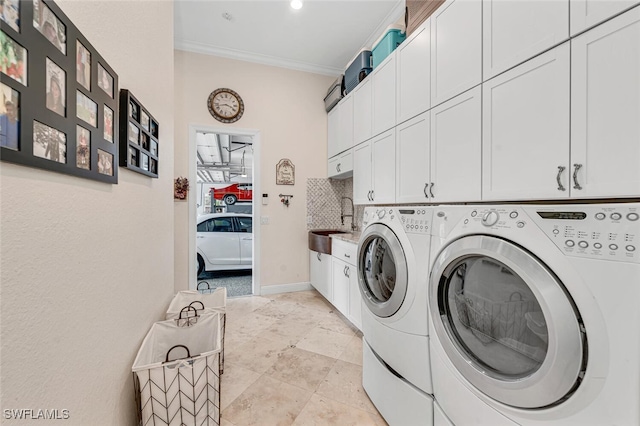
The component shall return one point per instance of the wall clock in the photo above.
(225, 105)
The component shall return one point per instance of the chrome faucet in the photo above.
(342, 215)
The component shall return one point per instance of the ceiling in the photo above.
(322, 37)
(224, 158)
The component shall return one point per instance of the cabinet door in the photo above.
(412, 163)
(456, 148)
(362, 174)
(345, 124)
(605, 105)
(320, 273)
(587, 13)
(383, 152)
(515, 31)
(355, 298)
(384, 95)
(414, 73)
(526, 130)
(362, 114)
(340, 286)
(456, 49)
(332, 132)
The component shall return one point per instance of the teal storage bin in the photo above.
(391, 40)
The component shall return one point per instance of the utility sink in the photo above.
(320, 239)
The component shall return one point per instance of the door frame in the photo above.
(193, 211)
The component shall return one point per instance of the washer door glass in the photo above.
(495, 318)
(506, 322)
(383, 270)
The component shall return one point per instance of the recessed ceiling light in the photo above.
(296, 4)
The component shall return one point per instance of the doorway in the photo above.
(224, 234)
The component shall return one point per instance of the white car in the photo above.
(224, 242)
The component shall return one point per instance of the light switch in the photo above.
(265, 199)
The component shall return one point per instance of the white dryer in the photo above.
(392, 261)
(534, 314)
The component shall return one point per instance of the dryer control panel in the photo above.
(598, 231)
(413, 219)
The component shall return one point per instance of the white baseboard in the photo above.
(284, 288)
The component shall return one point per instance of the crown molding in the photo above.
(194, 47)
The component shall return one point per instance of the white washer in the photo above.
(393, 254)
(534, 314)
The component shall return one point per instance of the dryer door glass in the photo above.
(495, 317)
(506, 322)
(382, 271)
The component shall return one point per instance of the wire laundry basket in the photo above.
(172, 390)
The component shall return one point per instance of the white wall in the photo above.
(287, 108)
(86, 267)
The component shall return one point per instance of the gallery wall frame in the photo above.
(139, 132)
(55, 113)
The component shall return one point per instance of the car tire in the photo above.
(230, 199)
(200, 265)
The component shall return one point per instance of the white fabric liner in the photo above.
(213, 302)
(202, 338)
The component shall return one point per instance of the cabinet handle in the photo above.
(369, 196)
(431, 190)
(577, 167)
(318, 256)
(373, 195)
(426, 185)
(338, 167)
(347, 272)
(347, 256)
(344, 271)
(560, 186)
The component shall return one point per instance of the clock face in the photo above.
(225, 105)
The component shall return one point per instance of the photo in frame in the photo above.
(44, 60)
(45, 21)
(14, 59)
(138, 143)
(9, 118)
(134, 134)
(83, 148)
(105, 163)
(105, 81)
(86, 109)
(56, 88)
(49, 143)
(11, 13)
(108, 124)
(83, 66)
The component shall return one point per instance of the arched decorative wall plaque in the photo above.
(285, 172)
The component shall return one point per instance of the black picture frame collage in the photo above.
(139, 132)
(59, 97)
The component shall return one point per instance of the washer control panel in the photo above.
(413, 219)
(598, 231)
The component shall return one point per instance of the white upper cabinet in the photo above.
(332, 132)
(414, 69)
(341, 166)
(456, 149)
(587, 13)
(456, 49)
(384, 95)
(345, 123)
(605, 105)
(383, 154)
(412, 164)
(514, 31)
(362, 114)
(525, 148)
(362, 187)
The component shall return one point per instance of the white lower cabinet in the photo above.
(340, 285)
(346, 294)
(320, 273)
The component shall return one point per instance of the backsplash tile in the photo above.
(323, 204)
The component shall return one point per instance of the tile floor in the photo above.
(291, 359)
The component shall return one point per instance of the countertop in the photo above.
(350, 237)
